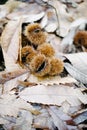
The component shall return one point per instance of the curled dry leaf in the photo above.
(79, 69)
(10, 63)
(63, 17)
(30, 17)
(54, 95)
(7, 36)
(25, 9)
(14, 46)
(51, 27)
(74, 72)
(78, 23)
(67, 42)
(52, 22)
(44, 21)
(78, 60)
(35, 17)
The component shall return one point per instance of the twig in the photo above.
(6, 76)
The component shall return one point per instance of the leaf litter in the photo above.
(52, 102)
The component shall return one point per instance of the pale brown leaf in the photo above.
(54, 95)
(7, 36)
(13, 48)
(51, 80)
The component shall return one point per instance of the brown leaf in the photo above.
(6, 76)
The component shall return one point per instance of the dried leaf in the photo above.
(3, 11)
(79, 69)
(54, 95)
(57, 121)
(3, 121)
(55, 43)
(30, 17)
(8, 7)
(10, 64)
(51, 27)
(80, 11)
(67, 42)
(78, 60)
(13, 48)
(78, 23)
(63, 18)
(43, 120)
(74, 72)
(12, 105)
(7, 36)
(44, 21)
(60, 113)
(51, 80)
(66, 107)
(81, 118)
(24, 122)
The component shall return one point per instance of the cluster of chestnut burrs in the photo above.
(38, 54)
